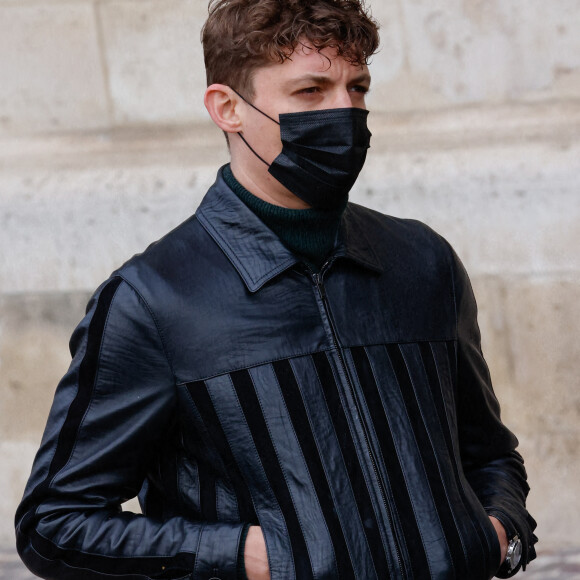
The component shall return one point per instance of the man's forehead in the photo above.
(324, 65)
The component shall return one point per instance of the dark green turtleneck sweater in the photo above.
(308, 233)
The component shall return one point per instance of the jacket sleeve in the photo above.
(493, 467)
(109, 414)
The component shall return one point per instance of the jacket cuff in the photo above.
(217, 552)
(524, 530)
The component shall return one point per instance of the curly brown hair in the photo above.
(240, 36)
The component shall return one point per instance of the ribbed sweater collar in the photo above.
(309, 233)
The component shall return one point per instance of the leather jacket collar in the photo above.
(255, 251)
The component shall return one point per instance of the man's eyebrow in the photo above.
(325, 80)
(309, 78)
(363, 78)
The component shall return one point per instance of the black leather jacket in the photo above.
(348, 412)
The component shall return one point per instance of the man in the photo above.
(292, 384)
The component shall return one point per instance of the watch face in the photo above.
(514, 554)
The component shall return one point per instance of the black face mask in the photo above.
(323, 152)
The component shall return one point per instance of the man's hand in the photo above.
(502, 536)
(255, 556)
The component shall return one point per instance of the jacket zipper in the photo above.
(318, 281)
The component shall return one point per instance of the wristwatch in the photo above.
(514, 554)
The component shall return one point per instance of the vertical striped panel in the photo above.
(410, 460)
(435, 359)
(440, 358)
(295, 468)
(411, 544)
(443, 355)
(290, 390)
(334, 466)
(439, 463)
(426, 492)
(200, 396)
(254, 418)
(363, 498)
(229, 414)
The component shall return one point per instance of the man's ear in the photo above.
(221, 103)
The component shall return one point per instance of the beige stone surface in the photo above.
(34, 334)
(16, 457)
(69, 230)
(529, 327)
(50, 66)
(81, 64)
(154, 59)
(456, 52)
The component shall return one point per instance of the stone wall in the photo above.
(105, 145)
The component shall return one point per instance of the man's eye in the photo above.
(360, 89)
(309, 90)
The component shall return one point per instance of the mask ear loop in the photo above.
(254, 107)
(241, 133)
(253, 151)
